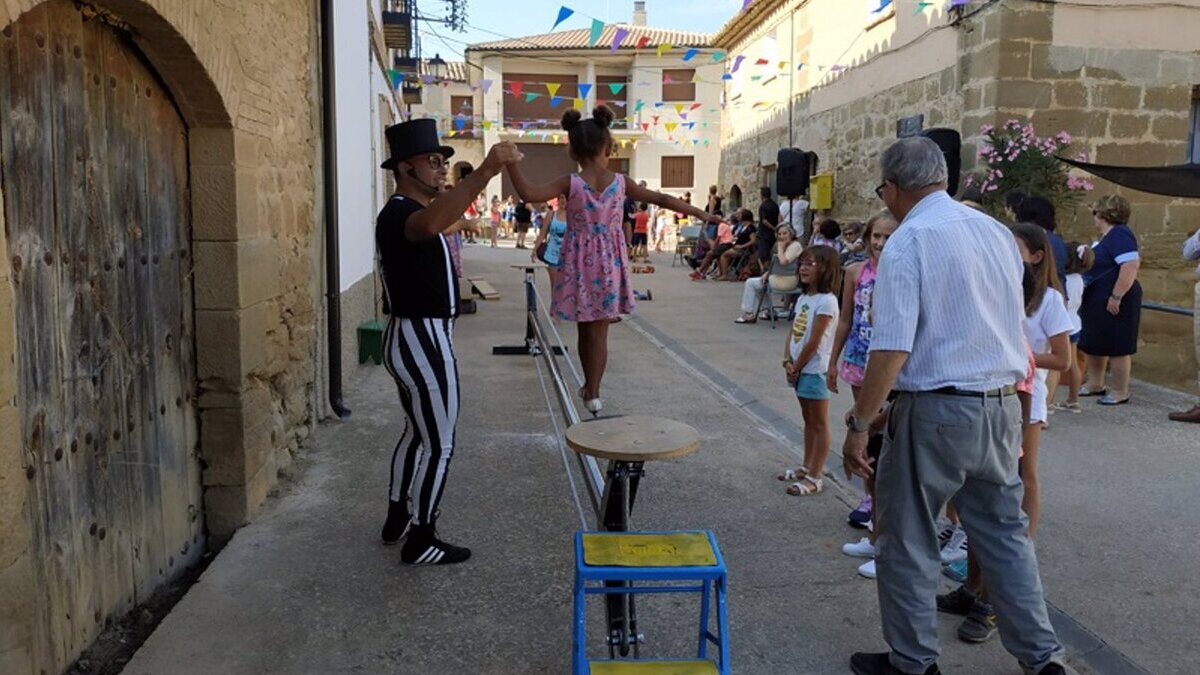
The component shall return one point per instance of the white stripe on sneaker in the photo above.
(438, 557)
(425, 556)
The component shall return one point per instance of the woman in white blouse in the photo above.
(781, 275)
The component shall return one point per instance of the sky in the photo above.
(487, 18)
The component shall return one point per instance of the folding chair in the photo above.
(688, 236)
(787, 300)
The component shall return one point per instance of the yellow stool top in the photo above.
(676, 549)
(653, 668)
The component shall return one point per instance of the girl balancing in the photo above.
(592, 288)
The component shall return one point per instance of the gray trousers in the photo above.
(940, 447)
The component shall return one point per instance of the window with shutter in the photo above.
(678, 85)
(678, 171)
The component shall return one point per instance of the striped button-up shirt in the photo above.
(948, 292)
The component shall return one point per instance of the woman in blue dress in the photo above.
(1112, 303)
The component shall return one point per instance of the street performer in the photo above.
(422, 301)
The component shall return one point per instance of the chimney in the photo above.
(639, 13)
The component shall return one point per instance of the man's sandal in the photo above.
(807, 486)
(793, 474)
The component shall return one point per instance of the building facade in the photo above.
(667, 108)
(161, 283)
(1119, 77)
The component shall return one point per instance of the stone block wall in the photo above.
(1125, 107)
(244, 76)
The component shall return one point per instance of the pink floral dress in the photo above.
(593, 278)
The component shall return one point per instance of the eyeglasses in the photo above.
(436, 162)
(879, 190)
(808, 263)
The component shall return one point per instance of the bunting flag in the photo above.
(667, 79)
(655, 119)
(761, 62)
(597, 29)
(883, 4)
(428, 79)
(554, 101)
(552, 88)
(584, 90)
(717, 56)
(642, 42)
(737, 62)
(663, 49)
(783, 64)
(515, 87)
(396, 77)
(564, 13)
(530, 96)
(640, 104)
(670, 126)
(727, 76)
(620, 36)
(696, 105)
(746, 4)
(645, 126)
(459, 123)
(678, 108)
(696, 77)
(485, 85)
(616, 87)
(487, 124)
(958, 3)
(577, 104)
(922, 5)
(690, 54)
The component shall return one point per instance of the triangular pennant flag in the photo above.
(671, 126)
(922, 5)
(428, 79)
(737, 62)
(655, 118)
(696, 105)
(487, 124)
(616, 87)
(835, 67)
(667, 79)
(663, 49)
(755, 78)
(694, 141)
(690, 54)
(577, 104)
(459, 123)
(584, 90)
(640, 104)
(515, 87)
(552, 88)
(597, 29)
(696, 77)
(746, 4)
(395, 77)
(782, 65)
(618, 38)
(642, 42)
(678, 108)
(564, 13)
(645, 126)
(530, 96)
(717, 56)
(727, 76)
(554, 101)
(883, 4)
(616, 102)
(690, 125)
(761, 62)
(683, 116)
(706, 141)
(485, 85)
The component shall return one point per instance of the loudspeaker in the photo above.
(793, 167)
(951, 144)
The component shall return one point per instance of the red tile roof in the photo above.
(578, 39)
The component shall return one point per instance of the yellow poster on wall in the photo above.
(821, 191)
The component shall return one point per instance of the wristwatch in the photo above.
(1116, 297)
(856, 425)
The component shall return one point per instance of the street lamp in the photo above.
(437, 67)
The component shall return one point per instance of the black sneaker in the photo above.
(397, 524)
(980, 624)
(424, 548)
(1053, 669)
(959, 601)
(863, 663)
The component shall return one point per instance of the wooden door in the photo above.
(93, 163)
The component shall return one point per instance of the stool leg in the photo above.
(723, 624)
(702, 649)
(578, 651)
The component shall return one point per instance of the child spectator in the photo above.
(806, 360)
(641, 230)
(593, 285)
(548, 245)
(1079, 260)
(854, 244)
(827, 234)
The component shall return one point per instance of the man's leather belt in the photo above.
(990, 393)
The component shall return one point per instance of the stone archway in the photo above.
(216, 165)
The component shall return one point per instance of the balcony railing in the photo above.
(398, 25)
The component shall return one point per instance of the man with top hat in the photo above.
(421, 299)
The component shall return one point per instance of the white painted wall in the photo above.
(359, 83)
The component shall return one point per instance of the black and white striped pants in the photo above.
(420, 357)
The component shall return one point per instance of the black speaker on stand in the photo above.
(793, 168)
(951, 144)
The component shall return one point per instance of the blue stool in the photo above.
(650, 557)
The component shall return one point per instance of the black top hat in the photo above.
(412, 138)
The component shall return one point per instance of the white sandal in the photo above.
(793, 474)
(809, 486)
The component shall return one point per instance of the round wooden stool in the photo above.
(635, 438)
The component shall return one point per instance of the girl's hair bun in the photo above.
(571, 119)
(603, 115)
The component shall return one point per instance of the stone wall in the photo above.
(244, 76)
(1126, 107)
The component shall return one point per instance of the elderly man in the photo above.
(1191, 251)
(948, 339)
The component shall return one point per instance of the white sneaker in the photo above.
(955, 548)
(867, 569)
(593, 405)
(862, 549)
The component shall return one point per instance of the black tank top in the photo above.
(418, 276)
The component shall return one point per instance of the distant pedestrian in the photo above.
(1079, 260)
(523, 217)
(768, 222)
(949, 281)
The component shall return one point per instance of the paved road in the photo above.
(307, 588)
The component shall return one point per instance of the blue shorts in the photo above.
(812, 386)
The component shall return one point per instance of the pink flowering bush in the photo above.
(1014, 158)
